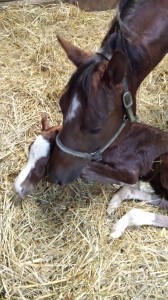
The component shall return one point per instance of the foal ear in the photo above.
(117, 67)
(44, 122)
(74, 53)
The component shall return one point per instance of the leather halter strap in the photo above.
(96, 155)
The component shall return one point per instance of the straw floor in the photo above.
(55, 244)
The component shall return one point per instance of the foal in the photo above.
(146, 159)
(39, 154)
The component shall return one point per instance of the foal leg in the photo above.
(131, 192)
(138, 217)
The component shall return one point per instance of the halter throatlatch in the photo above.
(96, 155)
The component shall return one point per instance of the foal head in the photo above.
(39, 153)
(92, 110)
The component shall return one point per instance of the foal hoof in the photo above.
(116, 232)
(111, 209)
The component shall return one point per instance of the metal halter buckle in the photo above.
(127, 99)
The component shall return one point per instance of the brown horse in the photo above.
(146, 159)
(97, 105)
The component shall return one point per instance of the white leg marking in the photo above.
(145, 187)
(127, 193)
(73, 109)
(138, 217)
(40, 148)
(135, 217)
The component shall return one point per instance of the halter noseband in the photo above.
(96, 155)
(127, 101)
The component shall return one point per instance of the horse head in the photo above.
(92, 108)
(39, 153)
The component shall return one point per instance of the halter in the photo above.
(96, 155)
(127, 102)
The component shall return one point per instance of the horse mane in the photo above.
(134, 53)
(125, 4)
(124, 8)
(114, 39)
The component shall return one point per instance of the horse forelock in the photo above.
(81, 80)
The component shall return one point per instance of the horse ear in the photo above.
(117, 67)
(44, 122)
(74, 53)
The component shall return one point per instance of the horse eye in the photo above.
(94, 130)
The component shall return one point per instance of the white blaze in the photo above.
(73, 109)
(40, 148)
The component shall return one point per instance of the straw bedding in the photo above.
(55, 244)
